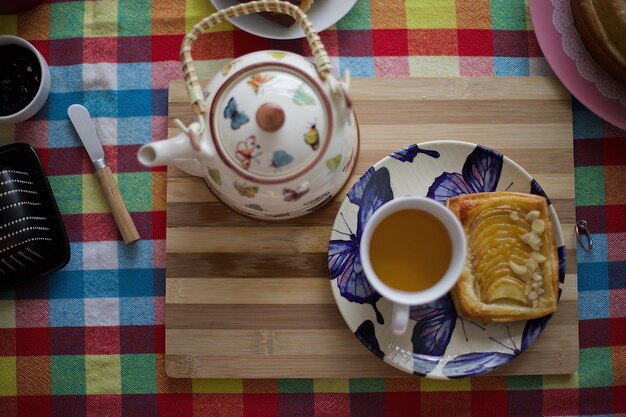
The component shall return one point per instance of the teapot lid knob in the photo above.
(270, 117)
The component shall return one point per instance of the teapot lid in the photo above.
(271, 123)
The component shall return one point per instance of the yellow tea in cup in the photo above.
(410, 250)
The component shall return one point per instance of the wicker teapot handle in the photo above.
(194, 90)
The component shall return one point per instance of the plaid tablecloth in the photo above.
(89, 340)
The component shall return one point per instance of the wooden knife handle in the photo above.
(118, 208)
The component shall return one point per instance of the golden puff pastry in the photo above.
(512, 267)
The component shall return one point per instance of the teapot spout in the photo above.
(165, 152)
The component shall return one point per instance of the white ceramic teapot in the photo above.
(275, 136)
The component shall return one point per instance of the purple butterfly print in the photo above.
(370, 192)
(367, 335)
(481, 173)
(432, 333)
(472, 364)
(410, 152)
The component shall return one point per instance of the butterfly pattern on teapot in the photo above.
(247, 152)
(237, 118)
(257, 81)
(246, 190)
(294, 195)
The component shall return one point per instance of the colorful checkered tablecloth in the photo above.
(89, 340)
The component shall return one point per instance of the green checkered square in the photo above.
(68, 192)
(8, 384)
(136, 188)
(508, 14)
(139, 374)
(295, 385)
(367, 385)
(103, 374)
(66, 19)
(134, 17)
(357, 18)
(594, 363)
(589, 186)
(524, 382)
(67, 375)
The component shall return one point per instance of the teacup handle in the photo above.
(322, 61)
(400, 318)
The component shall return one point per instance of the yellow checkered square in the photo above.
(100, 18)
(103, 374)
(431, 14)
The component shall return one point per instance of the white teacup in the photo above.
(403, 299)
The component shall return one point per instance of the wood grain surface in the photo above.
(252, 299)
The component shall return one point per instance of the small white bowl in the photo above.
(44, 86)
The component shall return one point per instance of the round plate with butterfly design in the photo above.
(438, 343)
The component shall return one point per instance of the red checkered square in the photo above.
(32, 313)
(475, 42)
(7, 342)
(616, 241)
(43, 46)
(614, 151)
(331, 42)
(102, 340)
(244, 43)
(67, 341)
(34, 406)
(166, 48)
(402, 404)
(218, 45)
(98, 227)
(8, 407)
(296, 46)
(73, 226)
(560, 402)
(534, 50)
(127, 159)
(616, 219)
(433, 42)
(33, 375)
(134, 49)
(33, 132)
(68, 161)
(390, 42)
(158, 225)
(137, 339)
(618, 331)
(104, 405)
(491, 403)
(217, 405)
(332, 404)
(619, 400)
(66, 51)
(175, 405)
(97, 50)
(617, 302)
(260, 405)
(444, 404)
(159, 339)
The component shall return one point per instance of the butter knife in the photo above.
(83, 124)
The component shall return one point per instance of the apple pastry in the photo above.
(512, 267)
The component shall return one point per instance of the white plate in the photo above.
(437, 344)
(323, 13)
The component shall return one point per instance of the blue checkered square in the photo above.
(586, 124)
(598, 254)
(136, 283)
(62, 134)
(135, 76)
(67, 312)
(159, 102)
(76, 259)
(66, 284)
(58, 104)
(136, 256)
(66, 79)
(138, 310)
(359, 66)
(134, 130)
(593, 276)
(132, 103)
(159, 282)
(101, 103)
(593, 305)
(102, 283)
(511, 66)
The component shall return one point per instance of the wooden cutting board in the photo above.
(252, 299)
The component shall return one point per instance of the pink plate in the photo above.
(570, 61)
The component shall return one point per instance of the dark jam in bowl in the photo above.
(20, 76)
